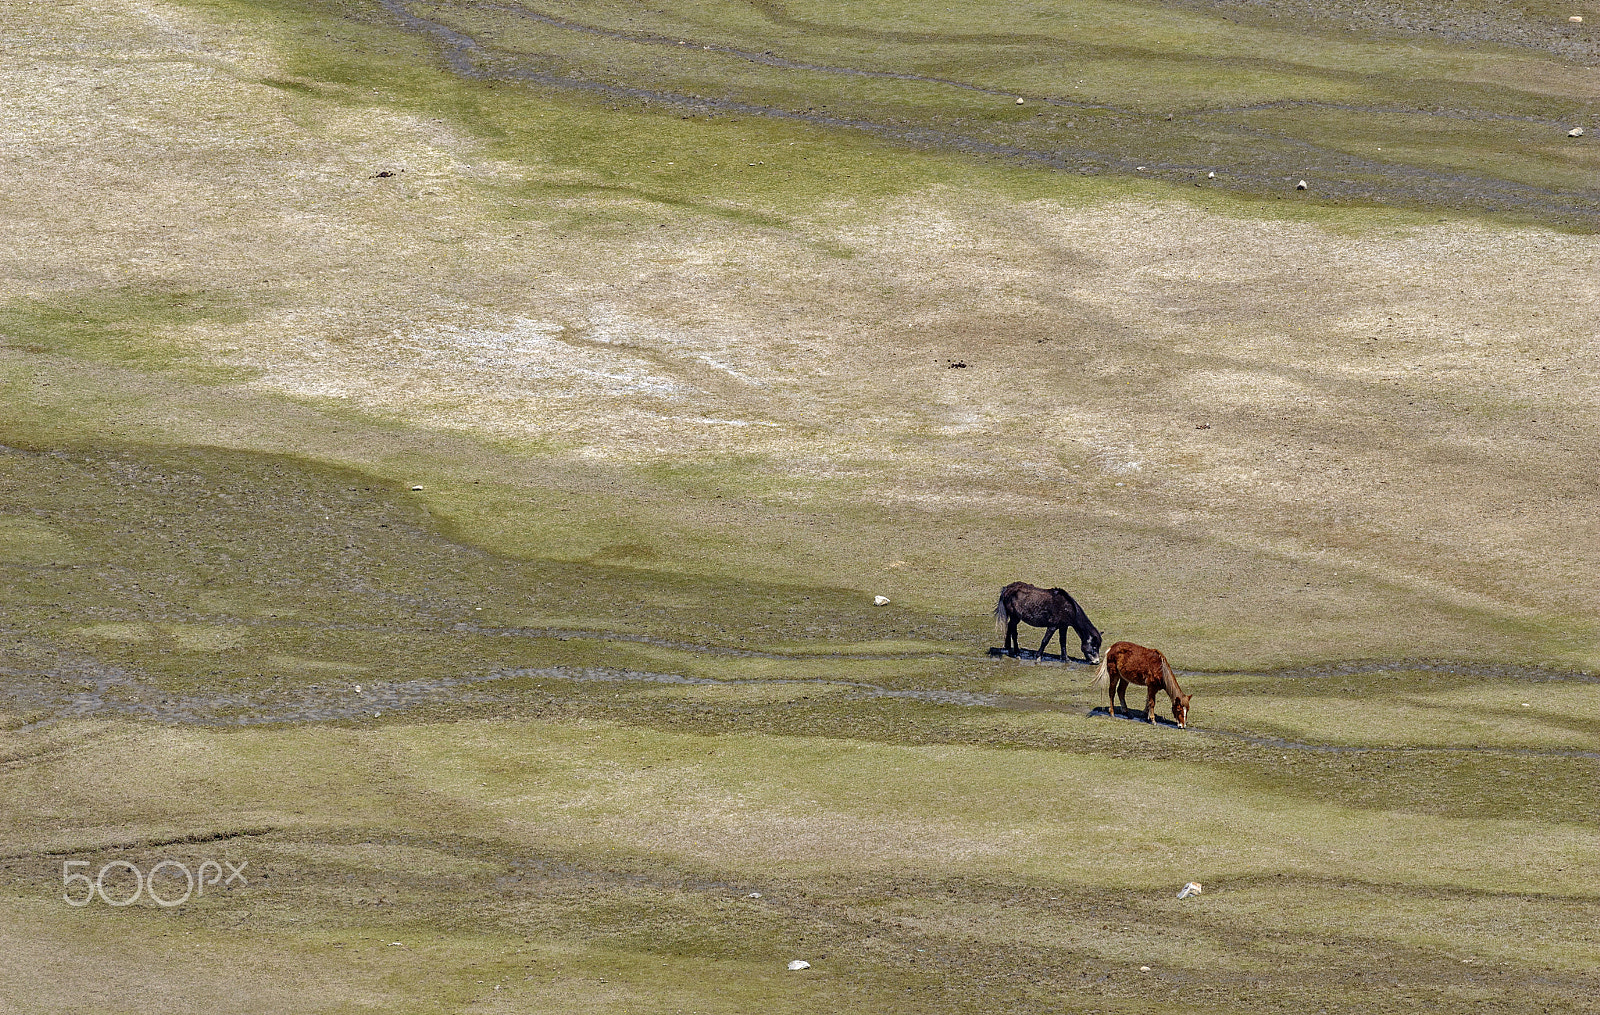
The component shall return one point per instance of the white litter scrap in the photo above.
(1192, 888)
(880, 600)
(799, 964)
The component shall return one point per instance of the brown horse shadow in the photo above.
(1133, 715)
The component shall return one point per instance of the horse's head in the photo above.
(1091, 646)
(1180, 709)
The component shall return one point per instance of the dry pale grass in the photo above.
(1385, 400)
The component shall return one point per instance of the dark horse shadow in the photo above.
(1133, 715)
(1028, 653)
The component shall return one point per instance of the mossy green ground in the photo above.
(675, 381)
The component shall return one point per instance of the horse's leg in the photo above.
(1012, 646)
(1049, 633)
(1122, 694)
(1150, 705)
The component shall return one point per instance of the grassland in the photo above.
(448, 453)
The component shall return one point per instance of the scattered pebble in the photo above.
(753, 895)
(1526, 705)
(1301, 185)
(1575, 132)
(416, 488)
(1211, 176)
(799, 964)
(1576, 18)
(880, 600)
(358, 688)
(1192, 888)
(1019, 102)
(1144, 969)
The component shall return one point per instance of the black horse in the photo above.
(1052, 609)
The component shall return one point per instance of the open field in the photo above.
(448, 452)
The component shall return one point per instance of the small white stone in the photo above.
(799, 964)
(1211, 176)
(1301, 185)
(1019, 102)
(1576, 19)
(358, 688)
(1192, 888)
(416, 488)
(1575, 132)
(1144, 969)
(753, 895)
(880, 600)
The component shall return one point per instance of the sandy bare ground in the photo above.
(1387, 398)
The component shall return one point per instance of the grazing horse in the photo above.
(1126, 663)
(1052, 609)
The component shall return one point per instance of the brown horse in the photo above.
(1052, 609)
(1126, 663)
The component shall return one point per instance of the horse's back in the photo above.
(1134, 663)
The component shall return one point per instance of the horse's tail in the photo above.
(1102, 676)
(1000, 617)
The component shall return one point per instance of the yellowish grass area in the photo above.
(457, 839)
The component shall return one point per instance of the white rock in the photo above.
(1301, 185)
(1144, 969)
(1211, 176)
(416, 488)
(753, 895)
(880, 600)
(1192, 888)
(1578, 18)
(799, 964)
(1575, 132)
(358, 688)
(1019, 102)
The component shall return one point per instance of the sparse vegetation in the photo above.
(578, 426)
